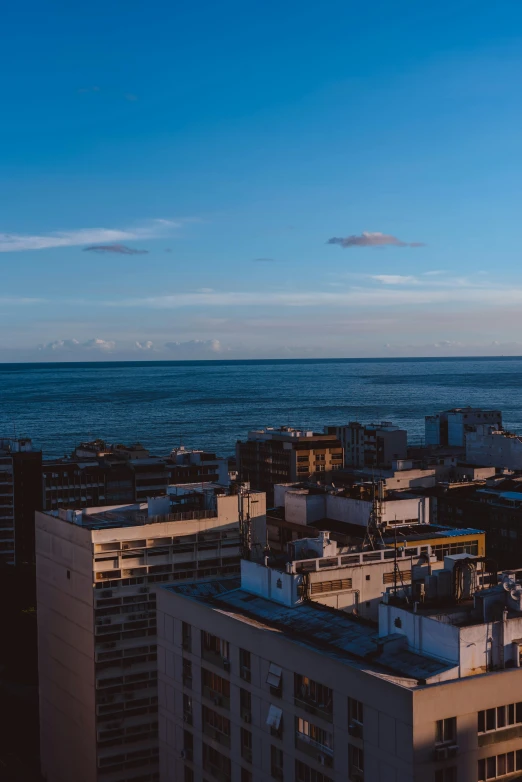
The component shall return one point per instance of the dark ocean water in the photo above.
(211, 404)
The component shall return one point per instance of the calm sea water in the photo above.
(211, 404)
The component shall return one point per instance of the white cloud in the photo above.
(148, 345)
(153, 229)
(65, 345)
(395, 279)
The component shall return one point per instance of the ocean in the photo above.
(211, 404)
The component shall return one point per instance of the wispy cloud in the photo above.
(148, 345)
(122, 249)
(372, 239)
(152, 229)
(59, 345)
(395, 279)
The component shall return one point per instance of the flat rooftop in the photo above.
(333, 633)
(405, 533)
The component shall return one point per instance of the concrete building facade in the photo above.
(251, 689)
(450, 427)
(270, 456)
(20, 497)
(371, 445)
(97, 570)
(491, 447)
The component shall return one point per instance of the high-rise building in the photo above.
(450, 427)
(271, 456)
(257, 683)
(97, 570)
(20, 497)
(371, 445)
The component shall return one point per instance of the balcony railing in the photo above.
(319, 709)
(314, 748)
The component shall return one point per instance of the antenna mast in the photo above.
(245, 526)
(373, 538)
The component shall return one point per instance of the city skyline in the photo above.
(209, 183)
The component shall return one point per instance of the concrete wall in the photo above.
(494, 450)
(65, 651)
(358, 511)
(304, 508)
(388, 725)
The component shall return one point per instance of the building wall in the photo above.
(388, 727)
(65, 651)
(494, 450)
(358, 511)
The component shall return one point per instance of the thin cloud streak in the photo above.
(122, 249)
(386, 296)
(153, 229)
(372, 239)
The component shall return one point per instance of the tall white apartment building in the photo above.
(97, 570)
(258, 683)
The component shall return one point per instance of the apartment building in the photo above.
(371, 445)
(20, 497)
(270, 456)
(96, 574)
(98, 473)
(492, 447)
(450, 427)
(256, 686)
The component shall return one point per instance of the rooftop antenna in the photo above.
(373, 537)
(245, 526)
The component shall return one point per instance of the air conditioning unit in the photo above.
(226, 664)
(355, 730)
(217, 700)
(441, 753)
(321, 759)
(144, 590)
(247, 717)
(452, 751)
(183, 754)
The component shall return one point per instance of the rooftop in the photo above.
(332, 632)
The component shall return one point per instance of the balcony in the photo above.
(311, 707)
(315, 749)
(217, 699)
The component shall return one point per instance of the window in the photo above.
(498, 766)
(313, 697)
(186, 636)
(245, 665)
(500, 717)
(276, 762)
(304, 773)
(187, 673)
(245, 705)
(215, 650)
(216, 688)
(216, 726)
(446, 774)
(188, 745)
(187, 709)
(275, 721)
(189, 774)
(216, 764)
(446, 731)
(274, 679)
(311, 737)
(355, 718)
(355, 763)
(246, 745)
(246, 775)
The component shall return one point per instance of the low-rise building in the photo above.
(258, 683)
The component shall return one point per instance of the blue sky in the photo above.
(171, 175)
